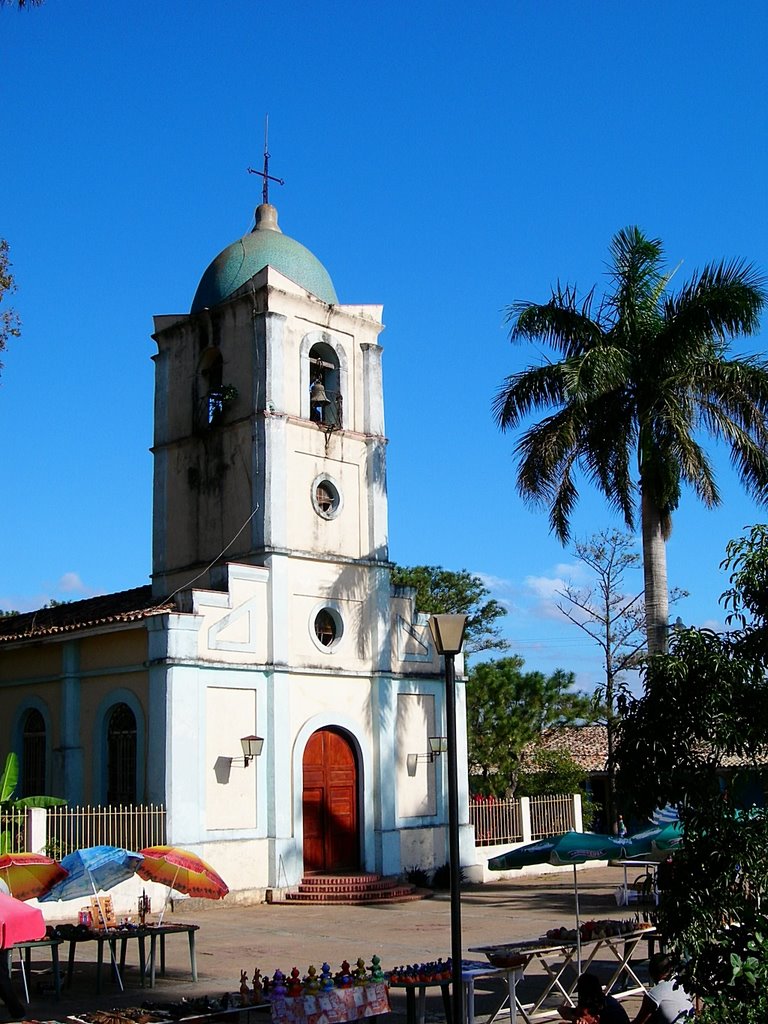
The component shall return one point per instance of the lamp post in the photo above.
(448, 635)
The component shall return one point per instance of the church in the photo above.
(270, 689)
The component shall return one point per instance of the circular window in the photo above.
(327, 628)
(326, 497)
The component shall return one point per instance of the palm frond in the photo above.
(722, 301)
(563, 323)
(538, 387)
(637, 271)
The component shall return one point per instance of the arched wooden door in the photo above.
(331, 839)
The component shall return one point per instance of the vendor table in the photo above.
(559, 961)
(25, 950)
(331, 1007)
(471, 971)
(111, 936)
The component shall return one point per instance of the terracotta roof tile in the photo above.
(125, 606)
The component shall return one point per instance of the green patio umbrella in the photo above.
(569, 848)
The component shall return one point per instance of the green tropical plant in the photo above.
(642, 374)
(12, 809)
(701, 719)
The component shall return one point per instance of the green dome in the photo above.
(265, 245)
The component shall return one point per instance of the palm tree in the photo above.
(642, 375)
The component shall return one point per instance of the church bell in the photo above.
(317, 395)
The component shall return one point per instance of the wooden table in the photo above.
(25, 950)
(111, 936)
(471, 971)
(559, 961)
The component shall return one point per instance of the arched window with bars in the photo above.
(33, 743)
(121, 755)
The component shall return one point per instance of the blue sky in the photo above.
(444, 159)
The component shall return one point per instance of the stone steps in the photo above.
(351, 890)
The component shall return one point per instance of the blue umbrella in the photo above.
(91, 869)
(94, 868)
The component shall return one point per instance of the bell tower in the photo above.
(269, 424)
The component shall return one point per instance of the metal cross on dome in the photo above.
(265, 173)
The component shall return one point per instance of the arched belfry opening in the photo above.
(210, 370)
(325, 398)
(330, 803)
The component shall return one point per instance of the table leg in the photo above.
(123, 948)
(162, 953)
(142, 958)
(192, 954)
(410, 1005)
(71, 961)
(99, 961)
(55, 967)
(469, 1000)
(447, 1002)
(152, 952)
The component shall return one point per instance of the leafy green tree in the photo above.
(440, 592)
(642, 373)
(614, 619)
(704, 708)
(13, 808)
(551, 772)
(507, 709)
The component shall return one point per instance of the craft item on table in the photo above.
(377, 975)
(145, 906)
(294, 987)
(359, 974)
(278, 984)
(102, 912)
(257, 994)
(336, 1006)
(244, 990)
(266, 986)
(326, 979)
(311, 982)
(342, 978)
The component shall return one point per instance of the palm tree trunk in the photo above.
(655, 577)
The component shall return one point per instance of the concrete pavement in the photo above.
(234, 938)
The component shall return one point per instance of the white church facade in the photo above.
(270, 614)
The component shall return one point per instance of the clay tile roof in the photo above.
(587, 745)
(126, 606)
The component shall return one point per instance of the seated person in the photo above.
(593, 1005)
(666, 1001)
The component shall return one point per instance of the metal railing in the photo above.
(13, 832)
(496, 821)
(132, 827)
(508, 821)
(551, 815)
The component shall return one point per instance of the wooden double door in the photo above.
(330, 804)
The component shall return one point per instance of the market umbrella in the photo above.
(29, 875)
(656, 839)
(19, 923)
(569, 848)
(91, 869)
(183, 871)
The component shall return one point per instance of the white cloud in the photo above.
(70, 583)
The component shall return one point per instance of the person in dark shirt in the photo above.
(593, 1004)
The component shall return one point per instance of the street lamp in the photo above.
(448, 635)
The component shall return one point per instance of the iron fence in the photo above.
(551, 815)
(502, 821)
(13, 832)
(496, 821)
(132, 827)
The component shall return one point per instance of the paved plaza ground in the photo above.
(234, 938)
